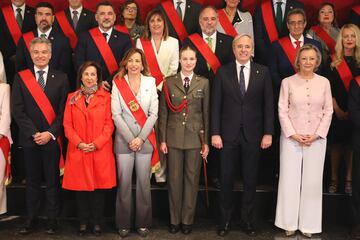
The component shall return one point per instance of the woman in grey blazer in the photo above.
(132, 145)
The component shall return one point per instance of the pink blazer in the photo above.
(305, 106)
(5, 117)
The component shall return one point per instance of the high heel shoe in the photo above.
(289, 233)
(82, 230)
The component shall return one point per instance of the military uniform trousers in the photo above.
(184, 167)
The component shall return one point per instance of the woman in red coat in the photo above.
(90, 164)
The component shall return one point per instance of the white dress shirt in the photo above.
(183, 76)
(213, 37)
(108, 33)
(46, 71)
(283, 5)
(246, 72)
(182, 7)
(47, 33)
(293, 40)
(78, 10)
(22, 10)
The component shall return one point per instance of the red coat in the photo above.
(95, 170)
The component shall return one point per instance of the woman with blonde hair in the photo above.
(134, 106)
(344, 67)
(5, 136)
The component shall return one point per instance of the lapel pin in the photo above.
(52, 75)
(115, 36)
(188, 6)
(27, 11)
(51, 38)
(220, 41)
(84, 14)
(172, 95)
(291, 7)
(257, 71)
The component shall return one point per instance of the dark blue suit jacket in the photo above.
(60, 53)
(261, 38)
(86, 50)
(280, 66)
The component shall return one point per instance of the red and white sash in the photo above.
(323, 35)
(140, 117)
(104, 49)
(289, 50)
(124, 29)
(175, 20)
(269, 21)
(205, 51)
(67, 28)
(12, 24)
(5, 148)
(43, 103)
(226, 24)
(154, 67)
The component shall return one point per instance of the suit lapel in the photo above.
(50, 78)
(234, 81)
(27, 17)
(288, 7)
(193, 83)
(218, 47)
(113, 39)
(188, 11)
(68, 17)
(178, 82)
(252, 80)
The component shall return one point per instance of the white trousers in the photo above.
(2, 184)
(299, 201)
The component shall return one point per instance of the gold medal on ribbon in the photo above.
(133, 106)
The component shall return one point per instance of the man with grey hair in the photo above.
(242, 115)
(37, 102)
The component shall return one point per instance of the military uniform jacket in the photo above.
(181, 130)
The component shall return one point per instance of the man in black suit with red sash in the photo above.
(37, 102)
(270, 25)
(103, 44)
(16, 19)
(60, 46)
(242, 123)
(181, 17)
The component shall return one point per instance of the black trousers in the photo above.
(90, 206)
(355, 199)
(249, 154)
(42, 162)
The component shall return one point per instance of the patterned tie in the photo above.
(19, 17)
(105, 36)
(297, 42)
(242, 81)
(209, 43)
(41, 80)
(278, 17)
(178, 9)
(43, 35)
(75, 18)
(186, 84)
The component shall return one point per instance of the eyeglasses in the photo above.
(131, 9)
(294, 23)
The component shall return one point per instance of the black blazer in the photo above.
(60, 53)
(261, 38)
(86, 50)
(26, 112)
(191, 19)
(354, 111)
(223, 51)
(86, 21)
(7, 45)
(255, 112)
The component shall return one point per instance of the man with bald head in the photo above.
(242, 118)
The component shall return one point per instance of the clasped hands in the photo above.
(90, 147)
(136, 144)
(42, 138)
(305, 140)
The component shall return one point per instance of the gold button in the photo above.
(308, 95)
(307, 88)
(309, 121)
(308, 104)
(183, 123)
(184, 114)
(184, 97)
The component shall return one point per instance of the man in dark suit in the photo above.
(355, 15)
(60, 47)
(116, 42)
(220, 48)
(37, 102)
(188, 11)
(242, 118)
(279, 10)
(24, 16)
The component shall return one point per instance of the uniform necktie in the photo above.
(278, 17)
(186, 84)
(41, 80)
(43, 35)
(242, 81)
(19, 17)
(178, 9)
(75, 18)
(209, 43)
(297, 42)
(105, 36)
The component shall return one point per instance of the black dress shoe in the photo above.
(28, 227)
(249, 229)
(223, 230)
(186, 228)
(355, 232)
(51, 226)
(82, 229)
(97, 230)
(215, 182)
(174, 228)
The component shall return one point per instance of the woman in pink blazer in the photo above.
(305, 111)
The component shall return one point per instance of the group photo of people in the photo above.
(183, 95)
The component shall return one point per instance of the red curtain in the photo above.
(342, 7)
